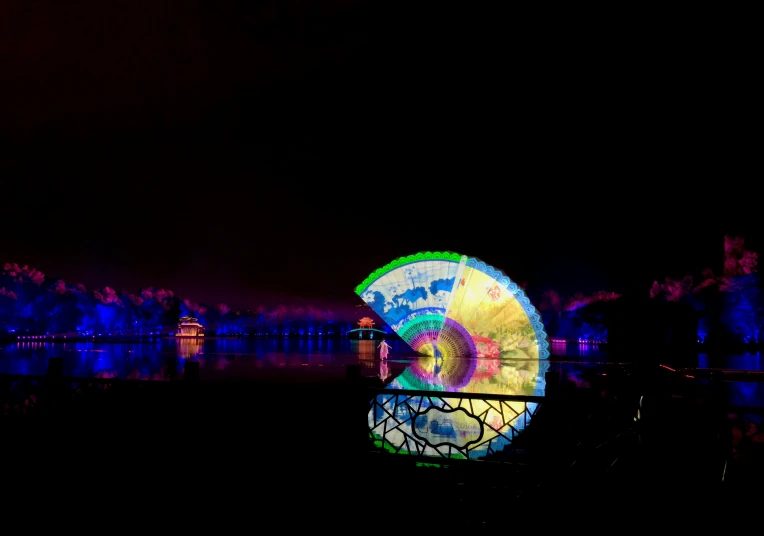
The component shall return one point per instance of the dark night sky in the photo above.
(249, 152)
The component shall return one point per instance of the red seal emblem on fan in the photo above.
(494, 292)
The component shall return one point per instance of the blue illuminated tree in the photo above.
(741, 308)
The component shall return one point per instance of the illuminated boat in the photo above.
(189, 327)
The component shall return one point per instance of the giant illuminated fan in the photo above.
(446, 304)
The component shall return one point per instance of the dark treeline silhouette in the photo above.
(720, 313)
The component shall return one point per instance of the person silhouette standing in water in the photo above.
(383, 349)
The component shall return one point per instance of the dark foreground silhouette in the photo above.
(298, 455)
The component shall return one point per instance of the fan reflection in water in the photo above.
(446, 424)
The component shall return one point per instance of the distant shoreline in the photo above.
(614, 352)
(145, 338)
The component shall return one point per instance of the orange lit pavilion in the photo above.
(366, 323)
(189, 327)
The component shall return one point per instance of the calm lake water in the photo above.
(237, 358)
(217, 357)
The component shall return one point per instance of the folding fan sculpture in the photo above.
(451, 305)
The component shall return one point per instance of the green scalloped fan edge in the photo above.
(421, 256)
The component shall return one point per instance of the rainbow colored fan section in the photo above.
(444, 304)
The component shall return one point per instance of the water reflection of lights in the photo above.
(366, 352)
(189, 347)
(481, 376)
(582, 340)
(31, 345)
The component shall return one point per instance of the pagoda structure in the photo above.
(189, 327)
